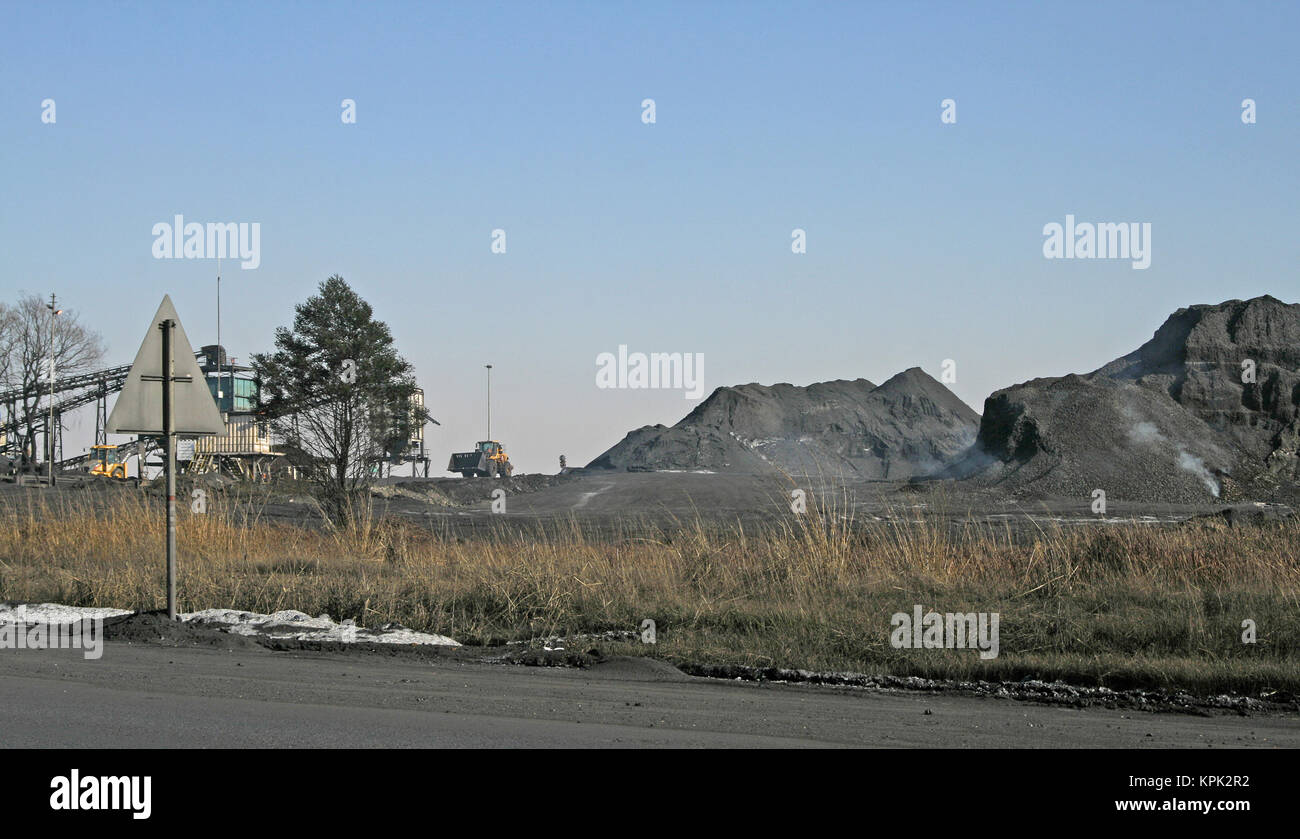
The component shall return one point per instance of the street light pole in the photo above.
(220, 390)
(489, 397)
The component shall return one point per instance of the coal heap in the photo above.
(911, 425)
(1172, 421)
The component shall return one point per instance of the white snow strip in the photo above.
(299, 626)
(286, 625)
(55, 613)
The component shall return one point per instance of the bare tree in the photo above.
(8, 333)
(33, 335)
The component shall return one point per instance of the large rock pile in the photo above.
(911, 425)
(1176, 420)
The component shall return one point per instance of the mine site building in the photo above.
(244, 447)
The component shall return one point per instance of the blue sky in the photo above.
(924, 239)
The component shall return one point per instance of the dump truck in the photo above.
(488, 460)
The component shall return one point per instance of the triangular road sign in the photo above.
(139, 406)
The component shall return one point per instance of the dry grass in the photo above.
(1127, 605)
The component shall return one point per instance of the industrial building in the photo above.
(245, 449)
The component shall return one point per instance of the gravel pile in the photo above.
(911, 425)
(1173, 421)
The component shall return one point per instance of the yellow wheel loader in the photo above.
(107, 462)
(488, 460)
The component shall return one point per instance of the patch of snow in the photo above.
(287, 624)
(55, 613)
(757, 442)
(290, 624)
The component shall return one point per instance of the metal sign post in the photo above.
(187, 409)
(169, 380)
(169, 427)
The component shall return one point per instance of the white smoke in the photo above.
(1196, 466)
(1147, 434)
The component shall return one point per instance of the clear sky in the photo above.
(924, 239)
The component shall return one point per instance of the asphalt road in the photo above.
(153, 696)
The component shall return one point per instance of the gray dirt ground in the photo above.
(144, 695)
(611, 501)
